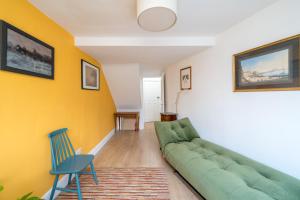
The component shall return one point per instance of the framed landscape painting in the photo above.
(90, 76)
(271, 67)
(23, 53)
(186, 78)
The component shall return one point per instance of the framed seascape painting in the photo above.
(90, 76)
(273, 66)
(186, 78)
(25, 54)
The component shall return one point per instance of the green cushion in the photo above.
(221, 174)
(175, 131)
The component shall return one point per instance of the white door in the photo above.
(152, 99)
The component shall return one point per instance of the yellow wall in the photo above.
(31, 107)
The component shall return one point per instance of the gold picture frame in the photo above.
(271, 67)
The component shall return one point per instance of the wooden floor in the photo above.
(141, 149)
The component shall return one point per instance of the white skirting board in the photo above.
(63, 182)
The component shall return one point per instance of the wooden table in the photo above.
(128, 115)
(168, 116)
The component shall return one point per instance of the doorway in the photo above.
(152, 98)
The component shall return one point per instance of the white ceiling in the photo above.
(117, 18)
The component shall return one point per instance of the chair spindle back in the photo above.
(61, 147)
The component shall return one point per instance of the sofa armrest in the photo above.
(174, 132)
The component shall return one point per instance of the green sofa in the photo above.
(218, 173)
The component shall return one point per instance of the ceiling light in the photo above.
(156, 15)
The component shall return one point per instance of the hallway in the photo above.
(132, 149)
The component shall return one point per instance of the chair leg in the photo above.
(94, 173)
(54, 187)
(78, 187)
(70, 178)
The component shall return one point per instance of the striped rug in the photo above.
(123, 184)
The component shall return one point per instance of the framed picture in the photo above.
(186, 78)
(90, 76)
(270, 67)
(23, 53)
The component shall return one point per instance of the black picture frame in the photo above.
(186, 78)
(84, 85)
(274, 66)
(38, 55)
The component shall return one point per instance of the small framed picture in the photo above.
(270, 67)
(186, 78)
(90, 76)
(25, 54)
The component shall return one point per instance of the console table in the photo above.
(130, 115)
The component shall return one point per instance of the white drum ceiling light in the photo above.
(156, 15)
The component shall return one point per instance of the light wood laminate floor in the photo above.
(141, 149)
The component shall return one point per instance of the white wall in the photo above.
(264, 126)
(124, 81)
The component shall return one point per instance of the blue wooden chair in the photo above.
(65, 161)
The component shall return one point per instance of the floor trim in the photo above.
(64, 180)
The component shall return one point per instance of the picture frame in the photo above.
(186, 78)
(271, 67)
(25, 54)
(90, 76)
